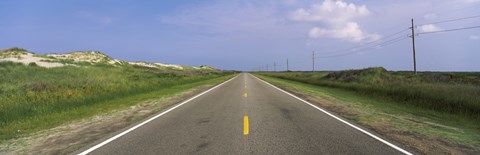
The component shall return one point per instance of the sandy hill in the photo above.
(82, 58)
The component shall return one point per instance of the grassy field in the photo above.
(34, 98)
(436, 106)
(456, 93)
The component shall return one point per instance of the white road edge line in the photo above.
(145, 122)
(341, 120)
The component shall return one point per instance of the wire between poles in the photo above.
(450, 20)
(465, 28)
(354, 47)
(383, 44)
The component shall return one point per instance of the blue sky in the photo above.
(249, 34)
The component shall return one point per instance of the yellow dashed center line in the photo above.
(245, 118)
(245, 125)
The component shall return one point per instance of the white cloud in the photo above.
(428, 28)
(332, 12)
(85, 14)
(351, 31)
(106, 20)
(430, 16)
(290, 2)
(337, 18)
(94, 17)
(242, 18)
(472, 1)
(474, 37)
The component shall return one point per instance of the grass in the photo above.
(15, 52)
(455, 93)
(373, 108)
(35, 98)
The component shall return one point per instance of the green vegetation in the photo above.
(86, 58)
(455, 93)
(33, 98)
(13, 52)
(383, 113)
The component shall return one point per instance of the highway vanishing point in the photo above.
(244, 115)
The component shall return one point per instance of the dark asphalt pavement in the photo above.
(214, 123)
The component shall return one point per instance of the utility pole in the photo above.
(274, 67)
(287, 65)
(267, 67)
(313, 61)
(413, 45)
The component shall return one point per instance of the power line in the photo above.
(458, 29)
(450, 20)
(383, 44)
(413, 49)
(396, 33)
(287, 65)
(378, 43)
(354, 47)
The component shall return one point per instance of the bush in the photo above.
(32, 64)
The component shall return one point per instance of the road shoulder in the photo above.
(395, 126)
(72, 136)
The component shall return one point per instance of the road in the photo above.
(244, 116)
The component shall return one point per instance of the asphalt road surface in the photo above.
(244, 116)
